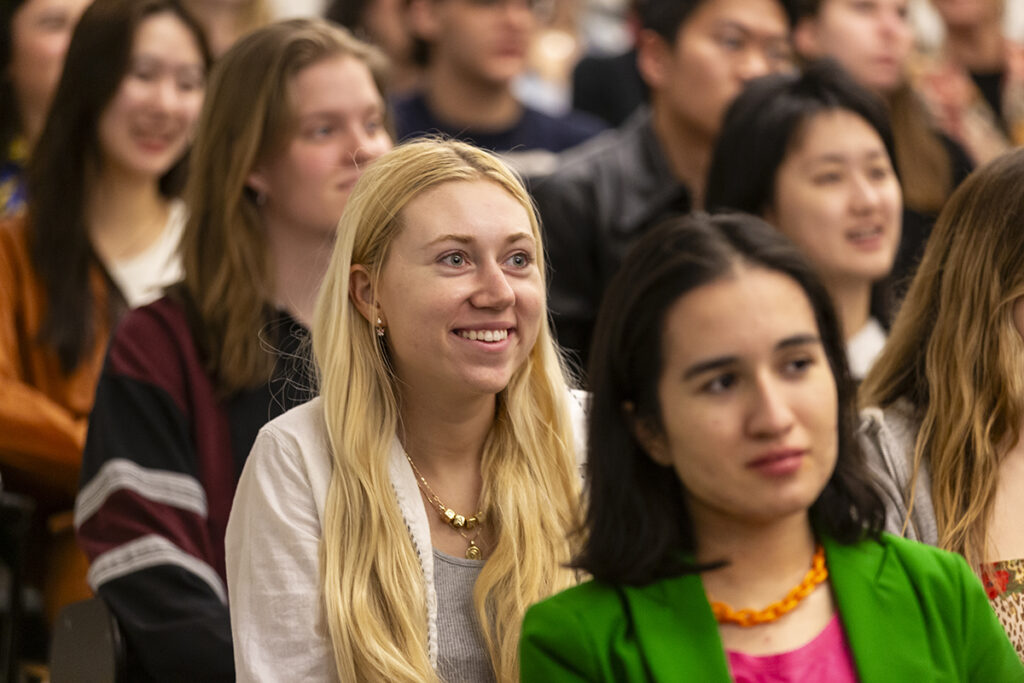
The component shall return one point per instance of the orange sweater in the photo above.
(43, 411)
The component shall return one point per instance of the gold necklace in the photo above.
(449, 516)
(815, 576)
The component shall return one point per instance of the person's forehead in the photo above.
(762, 17)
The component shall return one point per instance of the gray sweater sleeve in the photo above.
(887, 440)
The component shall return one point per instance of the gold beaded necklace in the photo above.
(450, 517)
(815, 576)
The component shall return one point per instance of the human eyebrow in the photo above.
(708, 366)
(461, 239)
(798, 340)
(519, 237)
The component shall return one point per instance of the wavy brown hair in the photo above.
(956, 356)
(246, 118)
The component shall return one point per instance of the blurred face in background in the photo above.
(721, 46)
(339, 128)
(963, 14)
(871, 39)
(149, 122)
(838, 199)
(482, 41)
(40, 33)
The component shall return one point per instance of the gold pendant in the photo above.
(472, 552)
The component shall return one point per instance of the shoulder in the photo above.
(892, 430)
(558, 133)
(599, 605)
(616, 154)
(15, 261)
(925, 564)
(412, 116)
(154, 343)
(297, 438)
(14, 241)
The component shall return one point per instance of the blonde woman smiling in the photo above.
(397, 527)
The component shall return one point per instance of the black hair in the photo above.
(10, 122)
(97, 61)
(637, 527)
(666, 17)
(766, 120)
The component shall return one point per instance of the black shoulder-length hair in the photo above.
(97, 60)
(768, 118)
(10, 117)
(637, 527)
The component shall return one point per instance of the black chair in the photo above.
(15, 524)
(87, 646)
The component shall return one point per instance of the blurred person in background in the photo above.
(872, 40)
(295, 114)
(695, 56)
(474, 51)
(973, 82)
(384, 23)
(34, 36)
(811, 153)
(225, 21)
(100, 235)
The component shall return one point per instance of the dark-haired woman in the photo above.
(812, 154)
(872, 40)
(729, 527)
(100, 233)
(34, 36)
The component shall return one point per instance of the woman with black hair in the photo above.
(729, 526)
(34, 36)
(812, 154)
(100, 235)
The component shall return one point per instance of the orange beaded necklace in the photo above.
(815, 576)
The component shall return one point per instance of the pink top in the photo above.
(826, 658)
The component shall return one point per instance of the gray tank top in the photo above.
(462, 655)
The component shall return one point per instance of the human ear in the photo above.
(650, 436)
(360, 292)
(257, 181)
(652, 57)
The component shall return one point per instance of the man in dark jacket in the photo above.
(694, 56)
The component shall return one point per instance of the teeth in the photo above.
(484, 335)
(866, 233)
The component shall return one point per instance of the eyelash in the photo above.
(725, 381)
(446, 259)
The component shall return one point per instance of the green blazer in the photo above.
(910, 612)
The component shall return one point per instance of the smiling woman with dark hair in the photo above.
(729, 526)
(812, 154)
(99, 236)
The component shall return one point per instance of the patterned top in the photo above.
(1004, 583)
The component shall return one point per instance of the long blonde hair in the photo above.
(956, 355)
(247, 117)
(373, 583)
